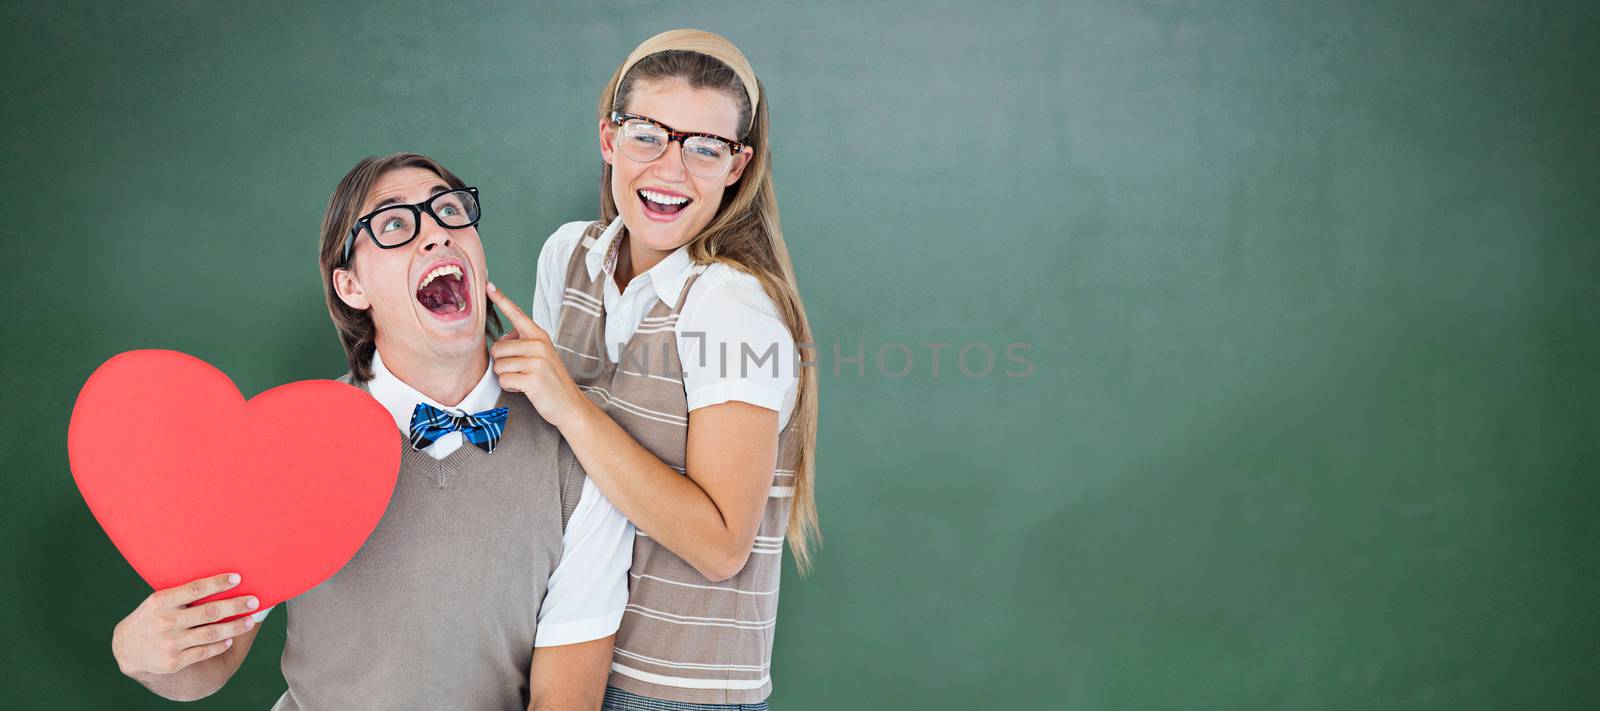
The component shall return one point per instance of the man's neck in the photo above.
(445, 381)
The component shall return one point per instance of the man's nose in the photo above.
(433, 234)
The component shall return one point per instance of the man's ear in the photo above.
(348, 287)
(608, 142)
(739, 163)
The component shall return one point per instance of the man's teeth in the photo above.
(653, 196)
(446, 270)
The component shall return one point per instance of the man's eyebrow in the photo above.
(385, 203)
(391, 200)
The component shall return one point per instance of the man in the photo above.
(498, 574)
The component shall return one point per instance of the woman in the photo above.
(663, 346)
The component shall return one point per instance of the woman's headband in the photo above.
(712, 45)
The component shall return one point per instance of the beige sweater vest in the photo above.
(438, 608)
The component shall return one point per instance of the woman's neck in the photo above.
(634, 259)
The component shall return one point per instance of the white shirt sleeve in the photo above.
(589, 588)
(733, 346)
(550, 280)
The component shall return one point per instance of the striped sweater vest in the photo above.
(683, 637)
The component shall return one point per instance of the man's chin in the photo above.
(456, 347)
(467, 329)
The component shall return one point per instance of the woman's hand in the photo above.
(165, 635)
(527, 362)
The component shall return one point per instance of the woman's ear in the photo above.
(348, 287)
(608, 142)
(739, 163)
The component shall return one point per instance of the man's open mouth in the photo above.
(444, 290)
(663, 203)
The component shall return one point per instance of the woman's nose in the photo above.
(669, 165)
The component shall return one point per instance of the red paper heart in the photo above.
(189, 480)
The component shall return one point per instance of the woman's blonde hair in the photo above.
(744, 234)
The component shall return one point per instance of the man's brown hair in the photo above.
(356, 330)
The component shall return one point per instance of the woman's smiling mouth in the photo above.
(662, 205)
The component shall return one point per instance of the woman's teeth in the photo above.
(662, 199)
(663, 204)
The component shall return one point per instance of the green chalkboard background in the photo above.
(1308, 294)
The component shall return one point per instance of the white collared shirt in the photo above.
(401, 401)
(725, 330)
(589, 588)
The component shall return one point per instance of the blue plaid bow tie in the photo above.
(429, 423)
